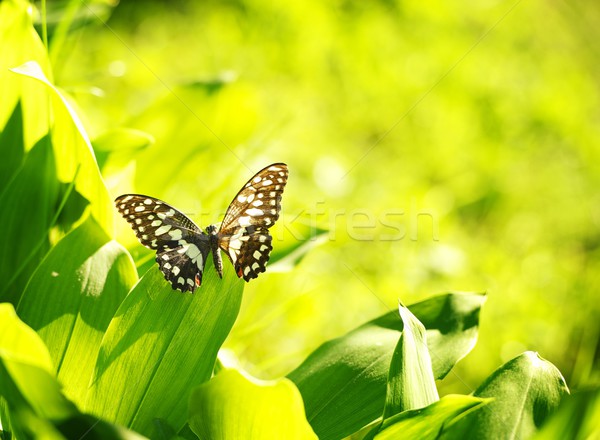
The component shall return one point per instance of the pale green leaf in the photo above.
(234, 406)
(526, 390)
(160, 344)
(343, 382)
(72, 297)
(20, 43)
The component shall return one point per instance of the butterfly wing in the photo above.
(181, 246)
(244, 233)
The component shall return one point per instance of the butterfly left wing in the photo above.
(181, 246)
(244, 233)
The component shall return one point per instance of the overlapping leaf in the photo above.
(72, 297)
(526, 390)
(343, 383)
(160, 344)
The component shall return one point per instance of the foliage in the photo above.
(94, 342)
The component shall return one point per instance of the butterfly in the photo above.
(182, 247)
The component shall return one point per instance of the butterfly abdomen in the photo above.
(214, 247)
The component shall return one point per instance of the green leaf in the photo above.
(576, 418)
(73, 150)
(411, 384)
(25, 235)
(72, 297)
(20, 43)
(427, 423)
(343, 382)
(232, 405)
(526, 390)
(160, 344)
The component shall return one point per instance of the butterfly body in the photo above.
(213, 235)
(182, 247)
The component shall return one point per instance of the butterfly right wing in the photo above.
(181, 246)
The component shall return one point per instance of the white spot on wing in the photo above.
(163, 229)
(139, 208)
(176, 270)
(244, 221)
(193, 251)
(175, 234)
(257, 255)
(254, 212)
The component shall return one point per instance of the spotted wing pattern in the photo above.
(244, 233)
(181, 246)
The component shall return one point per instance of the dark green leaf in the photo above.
(34, 189)
(12, 146)
(576, 418)
(343, 383)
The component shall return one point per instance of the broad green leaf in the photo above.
(20, 43)
(160, 344)
(576, 418)
(427, 423)
(343, 382)
(234, 406)
(73, 150)
(526, 390)
(33, 189)
(72, 297)
(12, 146)
(411, 384)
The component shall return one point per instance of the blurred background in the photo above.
(444, 146)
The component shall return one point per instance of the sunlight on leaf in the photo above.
(20, 43)
(160, 344)
(343, 382)
(72, 297)
(73, 150)
(232, 405)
